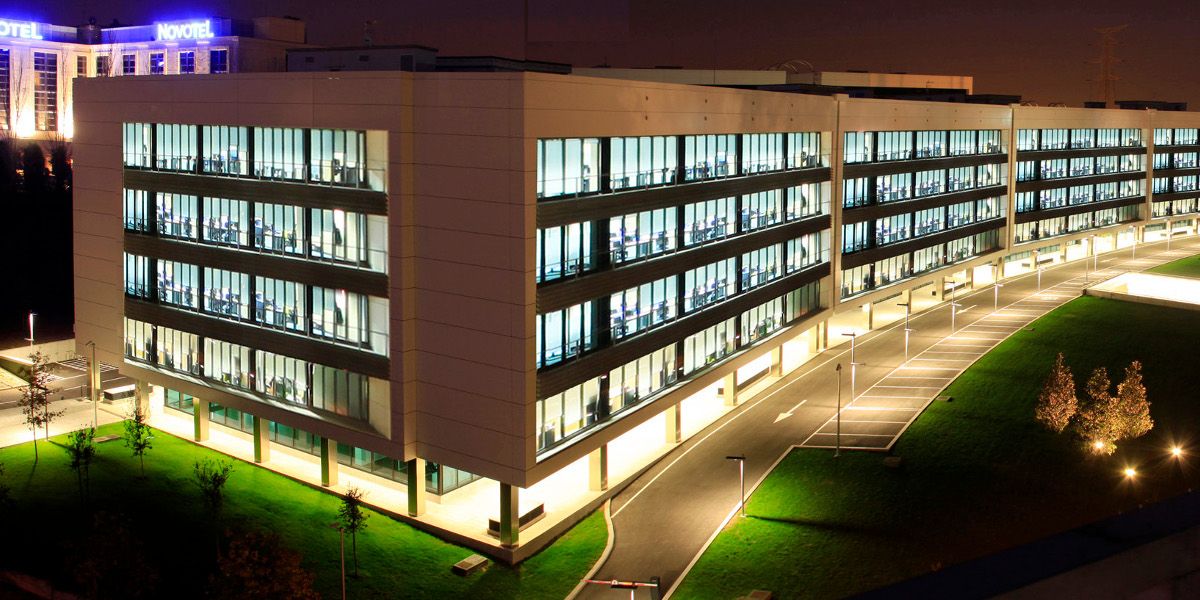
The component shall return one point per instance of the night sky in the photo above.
(1036, 48)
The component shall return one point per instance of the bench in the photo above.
(524, 521)
(120, 392)
(107, 438)
(469, 565)
(944, 398)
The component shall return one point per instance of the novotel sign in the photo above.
(192, 30)
(25, 30)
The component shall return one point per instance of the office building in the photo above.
(508, 291)
(39, 61)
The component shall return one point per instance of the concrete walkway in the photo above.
(665, 518)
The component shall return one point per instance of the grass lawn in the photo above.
(979, 473)
(1184, 267)
(166, 512)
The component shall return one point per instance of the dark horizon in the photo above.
(1038, 51)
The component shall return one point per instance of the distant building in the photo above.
(39, 61)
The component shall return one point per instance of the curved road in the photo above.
(663, 519)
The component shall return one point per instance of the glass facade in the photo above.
(45, 91)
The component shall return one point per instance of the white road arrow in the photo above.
(784, 415)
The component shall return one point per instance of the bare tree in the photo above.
(1057, 403)
(81, 445)
(353, 518)
(35, 399)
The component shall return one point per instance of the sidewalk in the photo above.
(78, 414)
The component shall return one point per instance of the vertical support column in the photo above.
(777, 361)
(94, 381)
(509, 518)
(416, 487)
(814, 338)
(870, 306)
(262, 440)
(598, 469)
(141, 395)
(729, 388)
(329, 464)
(200, 420)
(673, 417)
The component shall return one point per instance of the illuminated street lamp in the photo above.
(953, 315)
(853, 364)
(1133, 246)
(996, 296)
(741, 461)
(837, 448)
(907, 311)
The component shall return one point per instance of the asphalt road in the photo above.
(664, 518)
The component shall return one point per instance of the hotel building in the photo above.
(506, 292)
(39, 61)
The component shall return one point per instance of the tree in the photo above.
(110, 561)
(257, 565)
(353, 519)
(8, 166)
(211, 476)
(60, 164)
(1057, 403)
(33, 166)
(81, 445)
(1099, 422)
(35, 399)
(1132, 405)
(138, 435)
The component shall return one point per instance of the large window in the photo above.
(708, 221)
(563, 334)
(279, 228)
(137, 210)
(709, 284)
(226, 222)
(894, 145)
(158, 63)
(218, 61)
(804, 150)
(280, 304)
(227, 293)
(642, 161)
(340, 236)
(568, 167)
(104, 65)
(761, 209)
(640, 235)
(338, 156)
(565, 251)
(762, 152)
(227, 363)
(760, 267)
(178, 350)
(138, 140)
(45, 91)
(175, 147)
(762, 320)
(137, 276)
(187, 61)
(5, 87)
(562, 415)
(226, 150)
(283, 378)
(178, 284)
(640, 379)
(279, 153)
(708, 346)
(709, 156)
(807, 200)
(129, 64)
(642, 307)
(344, 316)
(177, 215)
(341, 392)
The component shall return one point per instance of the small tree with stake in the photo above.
(35, 399)
(138, 435)
(353, 519)
(210, 476)
(81, 445)
(1057, 403)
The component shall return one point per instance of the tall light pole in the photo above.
(93, 384)
(996, 296)
(853, 364)
(1038, 266)
(30, 338)
(837, 448)
(1170, 230)
(953, 315)
(907, 311)
(1095, 255)
(741, 461)
(1133, 239)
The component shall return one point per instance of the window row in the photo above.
(885, 272)
(1058, 139)
(1032, 170)
(1176, 137)
(328, 235)
(264, 374)
(327, 156)
(336, 315)
(1174, 160)
(577, 166)
(1048, 228)
(570, 250)
(567, 333)
(898, 228)
(881, 189)
(570, 414)
(880, 146)
(1174, 207)
(1080, 194)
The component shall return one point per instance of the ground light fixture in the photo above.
(741, 461)
(1130, 472)
(1176, 451)
(1098, 445)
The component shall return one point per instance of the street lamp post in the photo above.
(1133, 245)
(837, 448)
(996, 296)
(342, 545)
(1039, 272)
(30, 339)
(953, 315)
(907, 311)
(853, 363)
(92, 385)
(741, 461)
